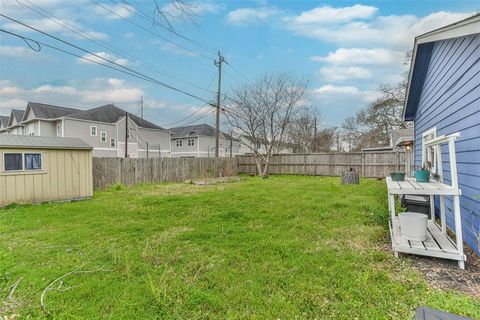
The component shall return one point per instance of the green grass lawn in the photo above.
(281, 248)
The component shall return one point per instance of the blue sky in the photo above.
(346, 49)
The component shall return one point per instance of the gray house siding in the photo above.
(74, 128)
(450, 101)
(158, 141)
(186, 151)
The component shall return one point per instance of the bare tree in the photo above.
(174, 11)
(302, 130)
(373, 125)
(263, 111)
(325, 139)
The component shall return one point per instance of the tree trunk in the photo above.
(258, 161)
(265, 170)
(350, 177)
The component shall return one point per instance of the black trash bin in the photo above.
(414, 203)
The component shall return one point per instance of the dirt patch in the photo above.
(445, 274)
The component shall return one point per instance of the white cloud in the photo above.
(345, 92)
(115, 82)
(114, 11)
(361, 26)
(81, 94)
(249, 16)
(350, 56)
(98, 58)
(19, 52)
(114, 95)
(173, 48)
(344, 73)
(10, 90)
(44, 24)
(56, 89)
(327, 15)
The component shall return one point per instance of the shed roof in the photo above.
(196, 130)
(48, 111)
(422, 51)
(35, 142)
(111, 114)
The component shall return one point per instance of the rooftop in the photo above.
(35, 142)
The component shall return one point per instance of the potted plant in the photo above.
(397, 176)
(423, 174)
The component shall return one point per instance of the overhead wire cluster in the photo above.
(105, 61)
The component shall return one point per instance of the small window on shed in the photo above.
(179, 143)
(112, 142)
(59, 130)
(93, 130)
(13, 161)
(103, 136)
(33, 161)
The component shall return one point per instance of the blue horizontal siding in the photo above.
(450, 101)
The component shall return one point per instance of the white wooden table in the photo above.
(438, 244)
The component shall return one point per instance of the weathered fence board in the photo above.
(130, 171)
(368, 164)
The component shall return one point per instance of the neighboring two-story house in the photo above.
(199, 141)
(4, 124)
(104, 128)
(15, 122)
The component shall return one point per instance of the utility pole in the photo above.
(315, 134)
(217, 116)
(126, 134)
(140, 107)
(231, 142)
(147, 149)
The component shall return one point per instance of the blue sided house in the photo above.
(443, 98)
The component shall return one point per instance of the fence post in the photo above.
(397, 161)
(331, 171)
(305, 164)
(363, 164)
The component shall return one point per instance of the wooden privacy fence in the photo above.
(368, 164)
(130, 171)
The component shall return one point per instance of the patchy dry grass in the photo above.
(285, 247)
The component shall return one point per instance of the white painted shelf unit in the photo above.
(438, 244)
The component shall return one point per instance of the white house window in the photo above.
(179, 143)
(59, 130)
(191, 142)
(13, 161)
(258, 145)
(112, 142)
(30, 129)
(93, 131)
(103, 136)
(33, 161)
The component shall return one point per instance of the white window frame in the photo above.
(191, 142)
(114, 142)
(96, 131)
(59, 130)
(179, 143)
(23, 162)
(103, 136)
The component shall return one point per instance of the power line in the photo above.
(147, 18)
(48, 15)
(150, 31)
(195, 112)
(103, 58)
